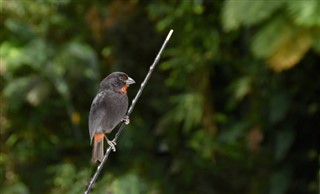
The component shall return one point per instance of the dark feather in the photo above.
(107, 110)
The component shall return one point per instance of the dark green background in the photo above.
(232, 107)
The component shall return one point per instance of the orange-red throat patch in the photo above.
(124, 88)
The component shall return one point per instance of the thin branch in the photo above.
(134, 101)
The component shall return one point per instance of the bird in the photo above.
(108, 109)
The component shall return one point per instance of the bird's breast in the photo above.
(116, 108)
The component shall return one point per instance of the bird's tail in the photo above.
(97, 152)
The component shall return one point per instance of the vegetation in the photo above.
(233, 106)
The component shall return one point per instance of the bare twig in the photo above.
(134, 101)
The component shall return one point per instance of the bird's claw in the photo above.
(112, 144)
(126, 120)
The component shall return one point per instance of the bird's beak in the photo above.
(130, 81)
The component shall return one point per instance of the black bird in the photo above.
(108, 108)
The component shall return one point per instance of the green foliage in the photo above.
(65, 175)
(305, 13)
(212, 119)
(255, 11)
(292, 24)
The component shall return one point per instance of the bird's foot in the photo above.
(126, 120)
(112, 144)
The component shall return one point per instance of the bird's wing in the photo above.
(97, 112)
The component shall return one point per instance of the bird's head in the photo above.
(117, 81)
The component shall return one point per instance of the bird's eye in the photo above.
(123, 78)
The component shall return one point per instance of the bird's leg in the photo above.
(111, 143)
(126, 120)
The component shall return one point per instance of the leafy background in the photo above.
(233, 106)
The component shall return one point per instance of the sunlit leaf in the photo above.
(12, 57)
(268, 38)
(247, 12)
(281, 45)
(290, 51)
(305, 13)
(241, 87)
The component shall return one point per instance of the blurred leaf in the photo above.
(241, 87)
(278, 107)
(12, 139)
(68, 179)
(16, 188)
(129, 183)
(220, 117)
(83, 52)
(305, 13)
(279, 182)
(78, 60)
(38, 92)
(284, 140)
(20, 28)
(284, 50)
(255, 11)
(17, 90)
(64, 176)
(202, 143)
(316, 43)
(269, 37)
(290, 52)
(188, 109)
(231, 134)
(36, 53)
(11, 56)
